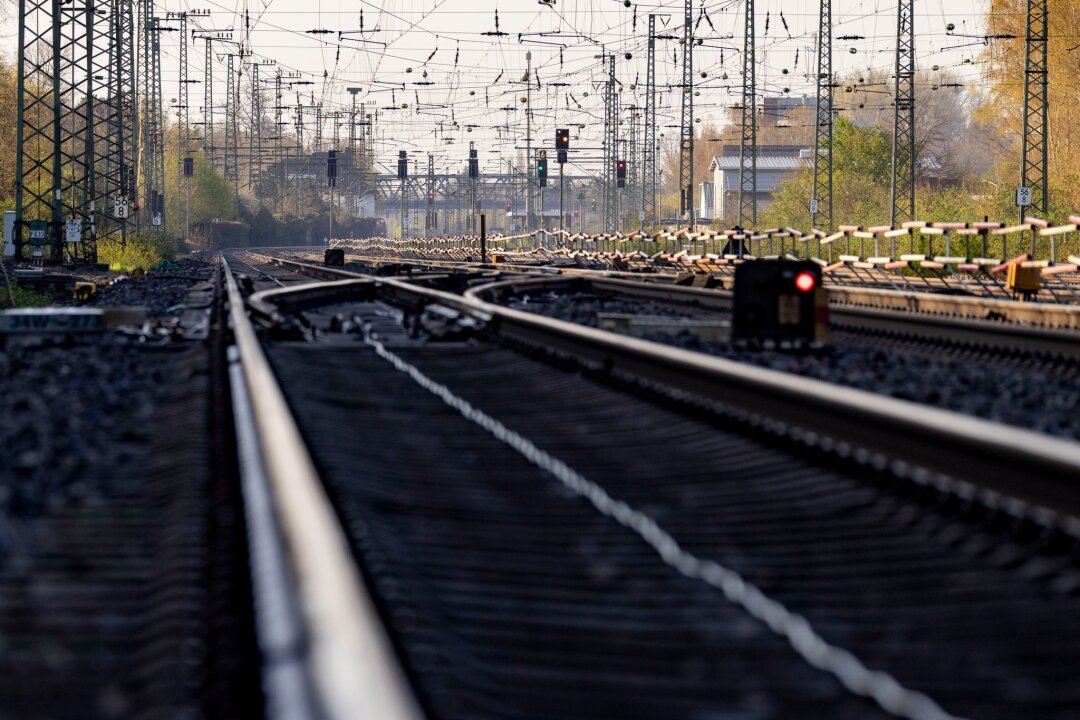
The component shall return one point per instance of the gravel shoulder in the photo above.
(113, 513)
(1040, 396)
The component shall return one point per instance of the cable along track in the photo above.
(459, 467)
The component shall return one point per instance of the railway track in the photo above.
(123, 587)
(939, 360)
(952, 311)
(551, 521)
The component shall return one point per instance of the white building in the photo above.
(706, 203)
(775, 163)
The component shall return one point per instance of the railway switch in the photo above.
(781, 303)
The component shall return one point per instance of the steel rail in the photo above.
(925, 317)
(842, 298)
(347, 667)
(915, 439)
(928, 326)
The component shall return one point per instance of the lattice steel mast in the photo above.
(183, 114)
(431, 224)
(255, 131)
(255, 134)
(1036, 98)
(279, 152)
(903, 146)
(115, 140)
(821, 206)
(65, 162)
(611, 145)
(232, 169)
(153, 146)
(648, 165)
(633, 186)
(686, 131)
(748, 145)
(208, 103)
(183, 119)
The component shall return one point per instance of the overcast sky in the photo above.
(439, 60)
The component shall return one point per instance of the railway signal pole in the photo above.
(562, 147)
(903, 145)
(403, 176)
(1033, 162)
(474, 175)
(184, 160)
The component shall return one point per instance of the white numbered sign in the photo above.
(120, 207)
(1023, 196)
(813, 207)
(73, 231)
(157, 218)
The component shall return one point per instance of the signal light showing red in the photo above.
(805, 282)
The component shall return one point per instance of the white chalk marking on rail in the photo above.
(877, 685)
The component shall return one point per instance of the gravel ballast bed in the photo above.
(111, 519)
(1040, 397)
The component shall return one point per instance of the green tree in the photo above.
(861, 173)
(211, 196)
(8, 132)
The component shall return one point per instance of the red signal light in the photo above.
(805, 281)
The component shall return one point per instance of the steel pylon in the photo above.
(748, 125)
(821, 209)
(611, 145)
(648, 165)
(686, 126)
(73, 87)
(1033, 161)
(903, 146)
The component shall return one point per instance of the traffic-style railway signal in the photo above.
(620, 173)
(562, 144)
(779, 302)
(542, 168)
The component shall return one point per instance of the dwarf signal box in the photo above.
(779, 302)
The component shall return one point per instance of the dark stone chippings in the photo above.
(510, 596)
(159, 290)
(106, 600)
(1033, 393)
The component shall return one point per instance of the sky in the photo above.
(435, 77)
